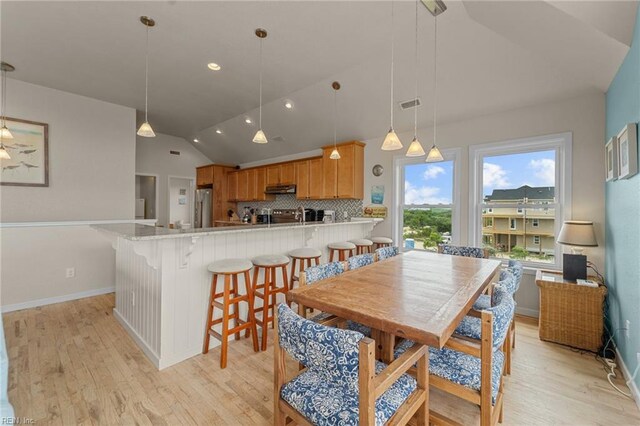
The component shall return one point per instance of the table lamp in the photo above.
(577, 234)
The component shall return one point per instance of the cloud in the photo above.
(422, 195)
(432, 172)
(544, 170)
(494, 176)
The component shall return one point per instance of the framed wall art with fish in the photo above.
(29, 152)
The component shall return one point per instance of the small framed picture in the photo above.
(627, 152)
(611, 158)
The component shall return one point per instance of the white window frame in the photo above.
(520, 210)
(399, 162)
(562, 144)
(535, 223)
(514, 221)
(536, 238)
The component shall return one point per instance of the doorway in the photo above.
(146, 197)
(181, 201)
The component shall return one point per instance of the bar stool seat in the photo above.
(363, 245)
(382, 242)
(304, 255)
(269, 289)
(270, 260)
(227, 266)
(230, 269)
(344, 248)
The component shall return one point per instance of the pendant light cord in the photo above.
(335, 119)
(392, 58)
(260, 109)
(4, 96)
(146, 79)
(415, 111)
(435, 77)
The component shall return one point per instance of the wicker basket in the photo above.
(571, 314)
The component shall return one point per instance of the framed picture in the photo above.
(611, 158)
(627, 152)
(29, 151)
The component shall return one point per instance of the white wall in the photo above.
(179, 211)
(584, 116)
(91, 169)
(153, 157)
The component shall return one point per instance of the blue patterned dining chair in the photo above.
(360, 260)
(386, 252)
(463, 366)
(338, 385)
(464, 251)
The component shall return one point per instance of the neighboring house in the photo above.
(530, 228)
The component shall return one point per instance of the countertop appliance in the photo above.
(280, 189)
(292, 216)
(203, 208)
(329, 216)
(264, 218)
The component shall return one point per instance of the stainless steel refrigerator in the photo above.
(204, 204)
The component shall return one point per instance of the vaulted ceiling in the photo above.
(493, 56)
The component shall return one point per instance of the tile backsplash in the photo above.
(289, 201)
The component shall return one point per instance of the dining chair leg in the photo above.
(513, 333)
(225, 322)
(251, 315)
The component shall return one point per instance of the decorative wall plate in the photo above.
(377, 170)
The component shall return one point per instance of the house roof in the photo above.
(525, 191)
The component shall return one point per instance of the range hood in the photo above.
(280, 189)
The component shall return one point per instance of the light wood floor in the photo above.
(72, 363)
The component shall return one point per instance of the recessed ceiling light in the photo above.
(218, 131)
(213, 66)
(196, 141)
(248, 120)
(288, 104)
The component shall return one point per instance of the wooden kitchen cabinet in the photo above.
(273, 175)
(252, 188)
(232, 186)
(243, 185)
(261, 185)
(287, 174)
(204, 175)
(309, 179)
(344, 178)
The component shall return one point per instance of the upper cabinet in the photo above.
(344, 178)
(281, 174)
(309, 182)
(204, 175)
(248, 185)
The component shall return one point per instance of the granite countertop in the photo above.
(138, 232)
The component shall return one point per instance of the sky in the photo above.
(433, 183)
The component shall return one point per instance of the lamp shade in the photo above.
(4, 155)
(335, 155)
(415, 149)
(260, 137)
(146, 131)
(577, 233)
(434, 155)
(5, 133)
(391, 141)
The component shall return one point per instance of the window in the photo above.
(426, 200)
(489, 210)
(527, 182)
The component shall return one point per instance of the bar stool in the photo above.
(362, 245)
(304, 255)
(270, 263)
(381, 242)
(230, 269)
(345, 249)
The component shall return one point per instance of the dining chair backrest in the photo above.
(503, 308)
(386, 252)
(321, 272)
(360, 260)
(516, 268)
(508, 281)
(331, 353)
(464, 251)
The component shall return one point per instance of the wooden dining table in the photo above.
(417, 295)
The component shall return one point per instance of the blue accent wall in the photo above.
(623, 212)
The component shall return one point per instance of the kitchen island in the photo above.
(162, 282)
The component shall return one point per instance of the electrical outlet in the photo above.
(627, 327)
(71, 272)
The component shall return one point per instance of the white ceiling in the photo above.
(493, 56)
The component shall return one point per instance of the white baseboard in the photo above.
(627, 375)
(153, 357)
(528, 312)
(56, 299)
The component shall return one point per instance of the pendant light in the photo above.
(5, 134)
(145, 129)
(435, 155)
(391, 141)
(335, 155)
(415, 149)
(260, 137)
